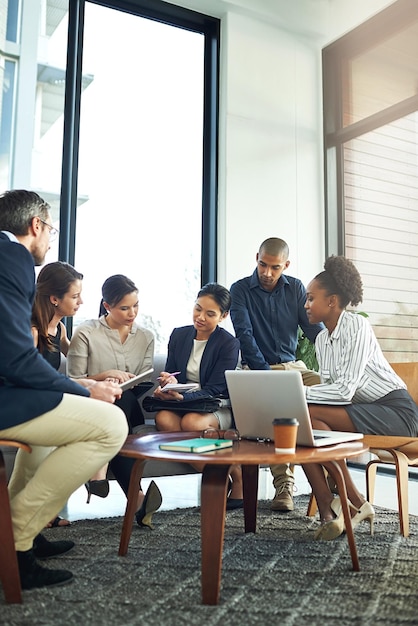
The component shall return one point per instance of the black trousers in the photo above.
(121, 466)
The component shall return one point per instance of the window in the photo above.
(141, 190)
(140, 165)
(32, 104)
(7, 124)
(13, 22)
(371, 160)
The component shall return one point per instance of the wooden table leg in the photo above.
(250, 490)
(131, 506)
(334, 468)
(212, 511)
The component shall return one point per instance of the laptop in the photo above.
(259, 396)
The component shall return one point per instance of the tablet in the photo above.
(132, 382)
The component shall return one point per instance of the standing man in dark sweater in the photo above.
(267, 309)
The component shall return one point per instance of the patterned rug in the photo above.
(277, 576)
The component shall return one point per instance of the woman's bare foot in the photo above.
(140, 500)
(101, 474)
(236, 477)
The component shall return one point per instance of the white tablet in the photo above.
(132, 382)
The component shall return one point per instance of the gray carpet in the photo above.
(278, 576)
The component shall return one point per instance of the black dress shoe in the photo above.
(44, 549)
(33, 575)
(234, 503)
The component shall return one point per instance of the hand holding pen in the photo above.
(165, 378)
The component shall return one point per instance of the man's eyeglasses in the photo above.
(53, 232)
(215, 433)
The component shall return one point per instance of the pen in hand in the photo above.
(172, 374)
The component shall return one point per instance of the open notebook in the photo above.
(259, 396)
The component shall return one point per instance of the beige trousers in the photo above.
(84, 434)
(309, 376)
(25, 466)
(283, 473)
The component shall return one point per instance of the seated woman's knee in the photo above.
(199, 421)
(165, 420)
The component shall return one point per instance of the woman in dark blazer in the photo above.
(200, 354)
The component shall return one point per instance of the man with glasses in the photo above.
(40, 406)
(267, 309)
(53, 232)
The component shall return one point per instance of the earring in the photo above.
(55, 303)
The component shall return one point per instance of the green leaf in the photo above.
(305, 351)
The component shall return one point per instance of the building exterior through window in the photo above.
(371, 160)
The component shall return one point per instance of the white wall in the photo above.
(271, 164)
(270, 159)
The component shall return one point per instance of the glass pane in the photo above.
(49, 112)
(382, 76)
(6, 126)
(140, 167)
(381, 224)
(12, 26)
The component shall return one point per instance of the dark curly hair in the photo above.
(341, 278)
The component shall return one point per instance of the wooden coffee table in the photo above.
(248, 454)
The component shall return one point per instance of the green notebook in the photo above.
(200, 444)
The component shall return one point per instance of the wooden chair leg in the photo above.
(401, 463)
(9, 571)
(312, 506)
(371, 469)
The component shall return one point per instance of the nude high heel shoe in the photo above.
(335, 527)
(365, 512)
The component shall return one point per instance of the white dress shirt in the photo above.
(351, 365)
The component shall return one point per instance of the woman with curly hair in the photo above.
(359, 391)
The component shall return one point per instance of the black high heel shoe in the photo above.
(152, 502)
(97, 488)
(232, 503)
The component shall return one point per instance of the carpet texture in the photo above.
(277, 576)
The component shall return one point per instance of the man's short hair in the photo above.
(17, 209)
(275, 247)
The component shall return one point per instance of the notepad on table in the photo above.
(199, 444)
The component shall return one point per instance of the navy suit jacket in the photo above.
(29, 385)
(221, 353)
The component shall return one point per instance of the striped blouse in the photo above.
(351, 365)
